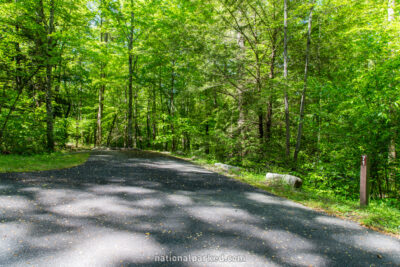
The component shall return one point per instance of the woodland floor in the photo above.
(125, 208)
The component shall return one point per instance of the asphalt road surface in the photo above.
(146, 209)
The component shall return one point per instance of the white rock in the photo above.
(226, 167)
(286, 178)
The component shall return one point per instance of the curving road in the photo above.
(146, 209)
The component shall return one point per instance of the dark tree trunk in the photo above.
(99, 138)
(172, 107)
(268, 122)
(303, 95)
(109, 138)
(130, 86)
(49, 68)
(285, 75)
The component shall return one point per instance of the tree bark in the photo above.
(99, 136)
(111, 129)
(172, 106)
(49, 68)
(268, 123)
(148, 130)
(100, 114)
(303, 94)
(285, 76)
(392, 115)
(153, 114)
(241, 119)
(130, 86)
(260, 110)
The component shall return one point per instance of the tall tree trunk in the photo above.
(285, 76)
(260, 110)
(268, 123)
(135, 119)
(153, 114)
(78, 119)
(207, 149)
(148, 131)
(241, 119)
(109, 138)
(49, 67)
(100, 114)
(303, 94)
(99, 137)
(130, 89)
(172, 106)
(125, 120)
(392, 114)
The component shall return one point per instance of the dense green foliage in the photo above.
(207, 78)
(41, 162)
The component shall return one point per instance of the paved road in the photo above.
(146, 209)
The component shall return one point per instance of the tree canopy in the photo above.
(307, 86)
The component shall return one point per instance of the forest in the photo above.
(302, 86)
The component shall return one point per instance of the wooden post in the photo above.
(364, 183)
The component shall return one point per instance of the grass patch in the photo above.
(41, 162)
(380, 215)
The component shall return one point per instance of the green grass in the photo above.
(41, 162)
(379, 215)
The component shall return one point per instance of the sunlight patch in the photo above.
(99, 206)
(115, 189)
(337, 222)
(179, 199)
(107, 248)
(212, 214)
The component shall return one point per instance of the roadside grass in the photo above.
(41, 162)
(380, 215)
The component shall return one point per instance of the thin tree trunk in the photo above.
(135, 117)
(285, 76)
(241, 119)
(392, 143)
(154, 111)
(125, 120)
(172, 107)
(100, 116)
(99, 137)
(78, 118)
(268, 123)
(303, 95)
(207, 150)
(111, 129)
(260, 110)
(148, 131)
(130, 89)
(49, 67)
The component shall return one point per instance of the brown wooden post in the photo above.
(364, 183)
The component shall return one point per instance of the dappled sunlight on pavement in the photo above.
(135, 208)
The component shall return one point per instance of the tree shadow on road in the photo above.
(134, 208)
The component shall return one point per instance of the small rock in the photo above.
(286, 178)
(226, 167)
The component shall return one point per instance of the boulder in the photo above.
(285, 178)
(226, 167)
